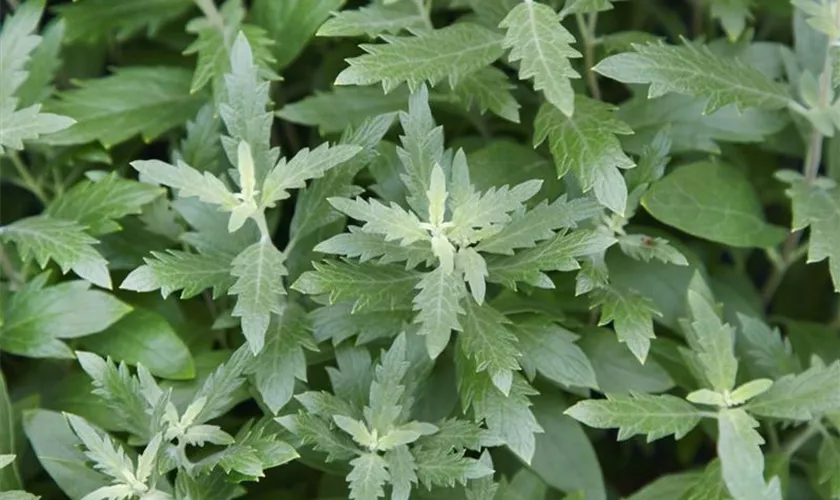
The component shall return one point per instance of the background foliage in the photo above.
(449, 249)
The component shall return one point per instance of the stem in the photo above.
(259, 218)
(28, 181)
(791, 249)
(211, 12)
(425, 9)
(587, 32)
(799, 440)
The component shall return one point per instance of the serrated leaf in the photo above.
(259, 272)
(551, 350)
(801, 396)
(366, 246)
(191, 273)
(393, 222)
(483, 212)
(543, 47)
(587, 145)
(375, 19)
(143, 100)
(282, 361)
(508, 417)
(487, 339)
(17, 41)
(646, 248)
(122, 392)
(303, 166)
(95, 20)
(742, 463)
(713, 341)
(767, 353)
(27, 124)
(98, 205)
(489, 88)
(313, 431)
(220, 388)
(437, 467)
(385, 407)
(693, 70)
(368, 287)
(451, 52)
(818, 207)
(714, 201)
(438, 305)
(732, 15)
(401, 468)
(188, 181)
(654, 416)
(527, 228)
(557, 254)
(107, 456)
(243, 109)
(369, 475)
(42, 66)
(62, 241)
(632, 316)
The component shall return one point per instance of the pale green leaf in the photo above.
(742, 463)
(393, 222)
(385, 407)
(438, 305)
(303, 166)
(133, 100)
(481, 213)
(551, 351)
(587, 145)
(489, 88)
(98, 205)
(201, 148)
(27, 124)
(586, 6)
(312, 209)
(526, 228)
(817, 206)
(192, 273)
(801, 396)
(422, 148)
(95, 20)
(375, 19)
(767, 353)
(439, 467)
(543, 47)
(401, 468)
(557, 254)
(366, 246)
(712, 200)
(631, 314)
(258, 288)
(713, 341)
(220, 389)
(654, 416)
(487, 339)
(188, 181)
(367, 287)
(646, 248)
(17, 41)
(62, 241)
(451, 52)
(369, 475)
(120, 390)
(694, 70)
(356, 430)
(282, 361)
(107, 456)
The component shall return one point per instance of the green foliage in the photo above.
(419, 249)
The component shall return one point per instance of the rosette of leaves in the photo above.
(374, 432)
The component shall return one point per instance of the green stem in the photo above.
(791, 249)
(587, 33)
(259, 218)
(28, 181)
(424, 7)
